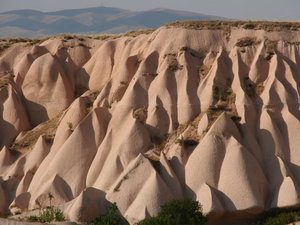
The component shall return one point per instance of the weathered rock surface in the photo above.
(183, 112)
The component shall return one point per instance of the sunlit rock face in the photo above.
(185, 111)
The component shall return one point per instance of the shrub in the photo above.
(278, 217)
(203, 69)
(70, 126)
(219, 95)
(150, 74)
(2, 215)
(111, 218)
(174, 67)
(179, 141)
(246, 41)
(184, 48)
(47, 215)
(33, 219)
(183, 212)
(283, 218)
(271, 47)
(141, 114)
(249, 26)
(186, 142)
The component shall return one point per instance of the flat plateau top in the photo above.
(251, 25)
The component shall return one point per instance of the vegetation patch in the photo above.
(140, 114)
(278, 216)
(221, 95)
(175, 67)
(185, 212)
(137, 33)
(225, 103)
(184, 49)
(83, 45)
(111, 218)
(47, 215)
(150, 74)
(92, 97)
(8, 42)
(3, 47)
(246, 41)
(249, 26)
(271, 47)
(173, 64)
(259, 88)
(70, 126)
(2, 215)
(191, 137)
(5, 80)
(29, 139)
(67, 37)
(127, 34)
(224, 25)
(203, 70)
(186, 142)
(252, 90)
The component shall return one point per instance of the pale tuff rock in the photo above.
(211, 115)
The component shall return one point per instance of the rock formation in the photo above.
(201, 110)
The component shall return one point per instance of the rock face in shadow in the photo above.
(186, 111)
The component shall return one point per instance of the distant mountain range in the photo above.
(32, 23)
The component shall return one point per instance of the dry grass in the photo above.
(127, 34)
(170, 139)
(48, 129)
(4, 80)
(191, 138)
(271, 47)
(140, 114)
(173, 64)
(68, 37)
(204, 70)
(8, 42)
(137, 33)
(259, 88)
(92, 97)
(253, 90)
(3, 47)
(224, 25)
(226, 103)
(246, 42)
(147, 74)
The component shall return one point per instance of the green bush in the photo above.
(47, 215)
(179, 141)
(2, 215)
(282, 219)
(111, 218)
(70, 126)
(278, 217)
(178, 212)
(33, 219)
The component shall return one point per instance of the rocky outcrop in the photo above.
(183, 112)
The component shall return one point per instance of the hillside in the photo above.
(32, 23)
(200, 110)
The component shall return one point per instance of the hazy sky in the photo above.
(238, 9)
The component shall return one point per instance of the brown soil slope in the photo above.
(201, 110)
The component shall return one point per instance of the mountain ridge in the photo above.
(96, 20)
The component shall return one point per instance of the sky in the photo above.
(235, 9)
